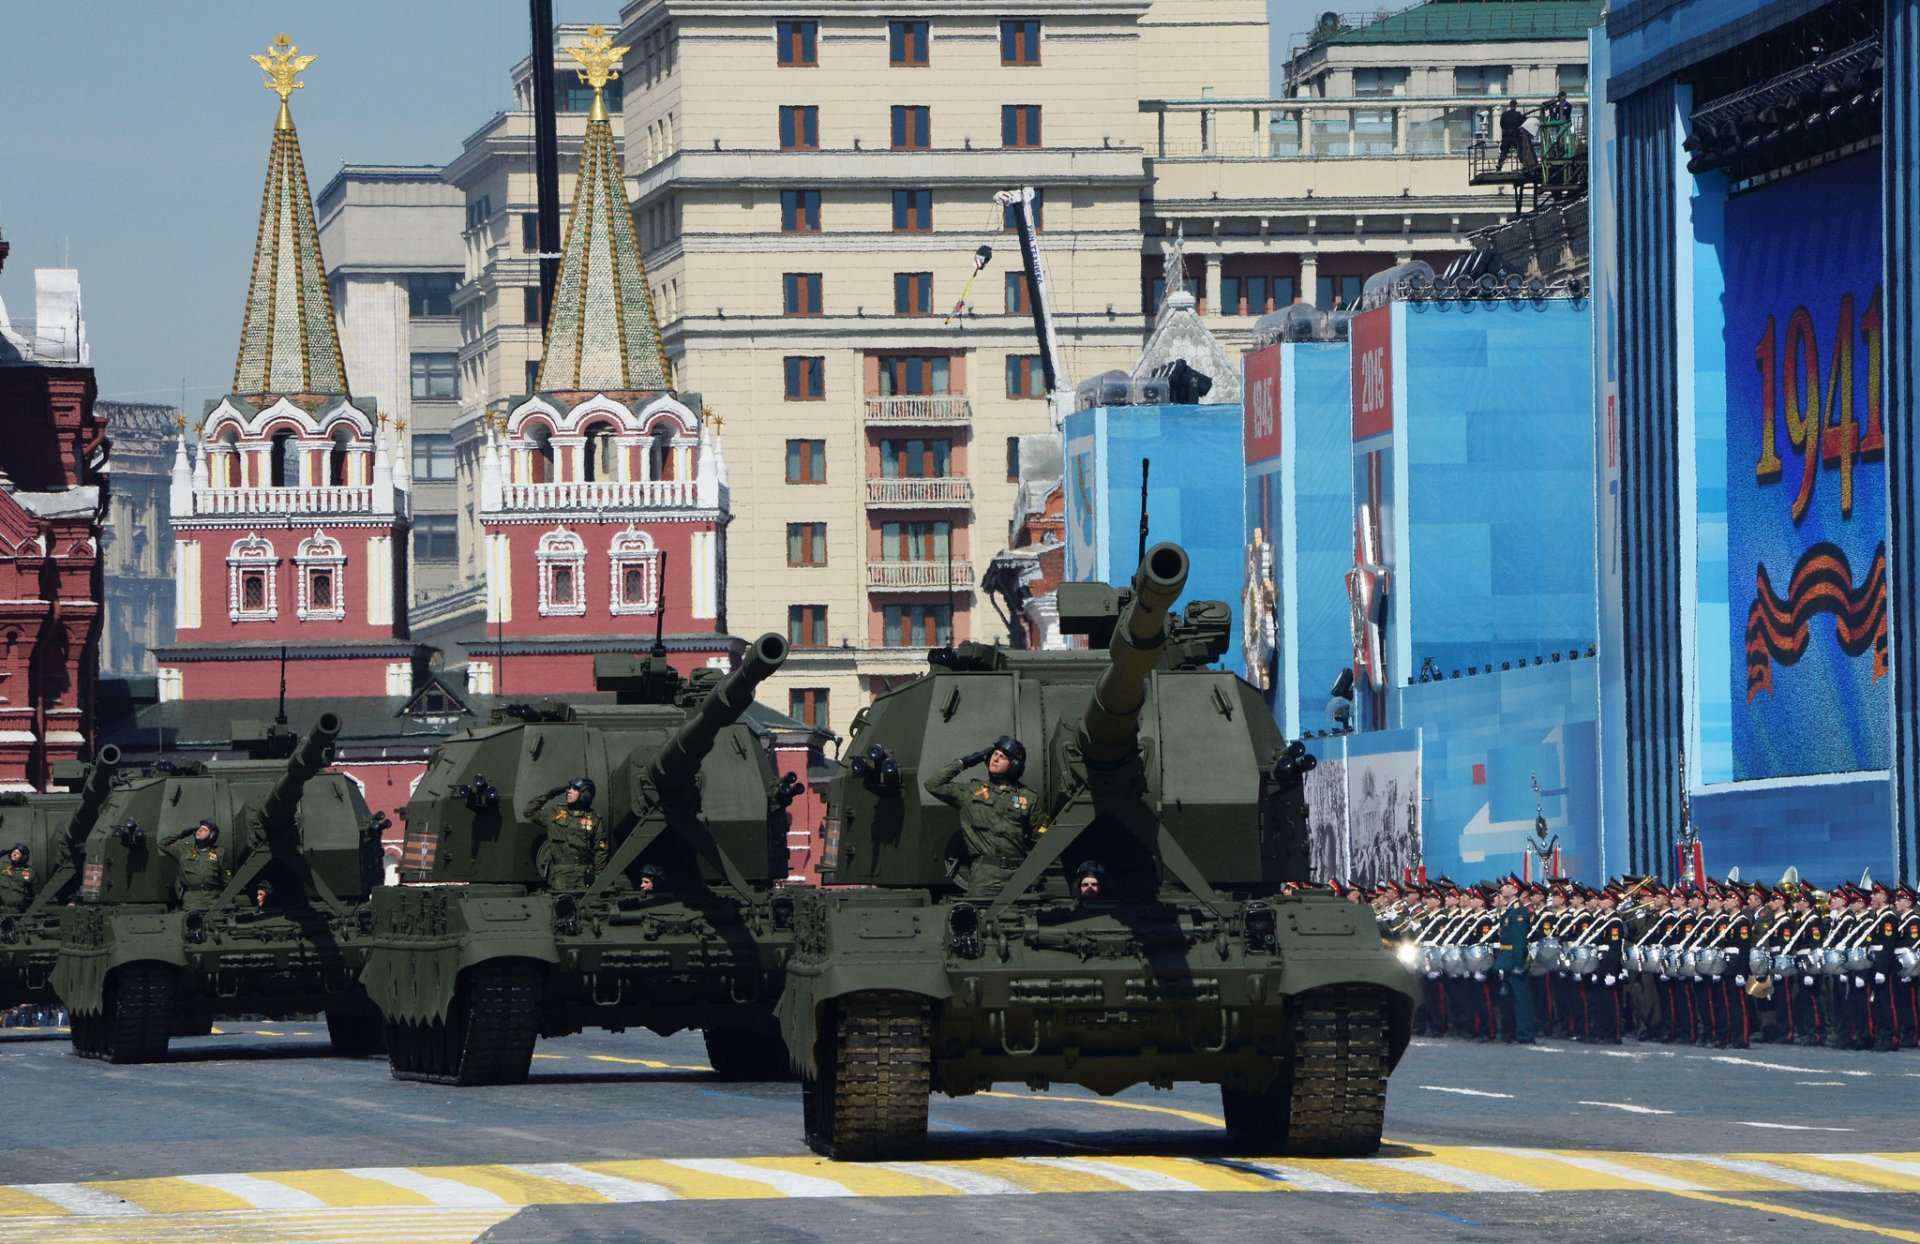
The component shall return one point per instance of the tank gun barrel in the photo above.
(310, 756)
(679, 761)
(93, 794)
(1113, 717)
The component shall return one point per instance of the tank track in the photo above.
(876, 1075)
(1338, 1074)
(486, 1039)
(136, 1021)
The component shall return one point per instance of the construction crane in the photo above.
(1059, 388)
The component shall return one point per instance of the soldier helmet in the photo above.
(20, 849)
(585, 786)
(1014, 750)
(263, 886)
(213, 831)
(1090, 868)
(653, 873)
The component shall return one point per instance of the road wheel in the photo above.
(875, 1104)
(139, 1012)
(355, 1033)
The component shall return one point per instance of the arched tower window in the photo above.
(636, 574)
(228, 460)
(539, 455)
(660, 453)
(562, 557)
(283, 469)
(601, 454)
(321, 570)
(337, 458)
(253, 573)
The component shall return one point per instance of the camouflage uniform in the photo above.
(998, 820)
(202, 873)
(16, 887)
(576, 840)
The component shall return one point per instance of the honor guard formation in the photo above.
(1719, 963)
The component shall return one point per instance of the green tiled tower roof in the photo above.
(602, 334)
(288, 343)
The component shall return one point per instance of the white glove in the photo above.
(1740, 981)
(1879, 978)
(1611, 980)
(1806, 982)
(1859, 982)
(1664, 978)
(1479, 976)
(1433, 976)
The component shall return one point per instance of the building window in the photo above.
(435, 538)
(431, 293)
(800, 293)
(1254, 295)
(1010, 214)
(1013, 458)
(916, 458)
(530, 232)
(1342, 290)
(432, 456)
(912, 127)
(253, 573)
(1026, 376)
(1480, 80)
(912, 211)
(915, 375)
(907, 44)
(530, 305)
(806, 462)
(808, 705)
(917, 626)
(573, 95)
(806, 544)
(562, 558)
(1020, 125)
(479, 212)
(800, 128)
(799, 43)
(436, 375)
(600, 454)
(799, 211)
(806, 378)
(916, 542)
(1019, 294)
(1020, 42)
(635, 586)
(533, 374)
(1573, 79)
(913, 293)
(321, 567)
(807, 626)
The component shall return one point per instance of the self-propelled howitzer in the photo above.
(1197, 959)
(677, 923)
(53, 828)
(143, 958)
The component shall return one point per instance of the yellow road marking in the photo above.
(1210, 1177)
(863, 1180)
(560, 1057)
(14, 1202)
(1191, 1116)
(338, 1188)
(655, 1063)
(1379, 1177)
(1534, 1172)
(1804, 1215)
(1714, 1178)
(267, 1032)
(693, 1185)
(519, 1187)
(168, 1196)
(1852, 1172)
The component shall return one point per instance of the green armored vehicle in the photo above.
(261, 912)
(53, 828)
(647, 899)
(1147, 936)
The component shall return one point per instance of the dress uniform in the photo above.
(1604, 1012)
(1516, 922)
(1906, 993)
(999, 818)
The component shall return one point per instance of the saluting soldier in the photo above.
(999, 818)
(202, 874)
(17, 885)
(576, 838)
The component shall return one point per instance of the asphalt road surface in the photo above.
(260, 1133)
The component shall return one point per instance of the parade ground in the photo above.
(260, 1133)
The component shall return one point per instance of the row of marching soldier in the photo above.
(1725, 963)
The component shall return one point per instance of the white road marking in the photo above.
(1305, 1180)
(1789, 1127)
(1126, 1176)
(1620, 1105)
(973, 1183)
(1440, 1172)
(259, 1193)
(1874, 1160)
(612, 1187)
(78, 1200)
(1735, 1061)
(1442, 1088)
(1768, 1170)
(446, 1193)
(1600, 1166)
(789, 1183)
(1820, 1083)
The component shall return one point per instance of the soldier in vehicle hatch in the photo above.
(16, 880)
(202, 871)
(999, 818)
(576, 838)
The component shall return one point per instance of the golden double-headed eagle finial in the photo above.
(283, 66)
(599, 65)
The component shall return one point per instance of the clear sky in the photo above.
(135, 134)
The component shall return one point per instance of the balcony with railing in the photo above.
(918, 411)
(623, 494)
(920, 576)
(939, 492)
(328, 500)
(1355, 127)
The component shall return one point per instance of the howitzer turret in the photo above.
(93, 796)
(312, 754)
(678, 762)
(1112, 724)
